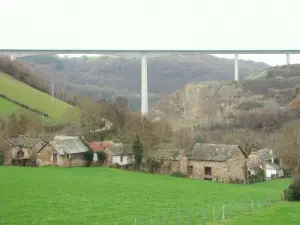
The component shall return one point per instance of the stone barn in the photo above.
(223, 163)
(21, 151)
(62, 151)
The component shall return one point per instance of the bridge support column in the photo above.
(144, 86)
(288, 61)
(236, 67)
(12, 57)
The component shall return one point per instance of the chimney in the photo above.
(272, 156)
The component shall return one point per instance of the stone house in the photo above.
(62, 151)
(224, 163)
(120, 154)
(20, 151)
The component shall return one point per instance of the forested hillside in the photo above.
(116, 76)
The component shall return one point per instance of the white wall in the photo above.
(126, 160)
(270, 172)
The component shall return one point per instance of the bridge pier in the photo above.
(144, 86)
(12, 57)
(288, 61)
(236, 67)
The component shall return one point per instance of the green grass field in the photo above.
(18, 91)
(107, 196)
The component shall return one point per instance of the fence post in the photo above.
(214, 213)
(203, 217)
(258, 204)
(252, 205)
(134, 220)
(223, 215)
(179, 219)
(151, 220)
(190, 218)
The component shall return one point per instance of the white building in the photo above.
(271, 168)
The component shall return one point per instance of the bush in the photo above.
(259, 177)
(178, 174)
(292, 193)
(101, 157)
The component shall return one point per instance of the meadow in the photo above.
(23, 93)
(109, 196)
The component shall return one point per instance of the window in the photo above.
(190, 170)
(54, 158)
(207, 171)
(121, 158)
(20, 154)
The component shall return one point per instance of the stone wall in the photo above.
(237, 168)
(14, 152)
(73, 160)
(218, 171)
(44, 157)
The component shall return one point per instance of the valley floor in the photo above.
(109, 196)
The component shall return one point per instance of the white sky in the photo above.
(152, 24)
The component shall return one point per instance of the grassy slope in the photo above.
(27, 95)
(7, 108)
(105, 196)
(284, 213)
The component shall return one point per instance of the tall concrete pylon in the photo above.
(144, 86)
(288, 59)
(236, 67)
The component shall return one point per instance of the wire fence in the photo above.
(198, 216)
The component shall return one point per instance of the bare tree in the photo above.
(288, 146)
(184, 138)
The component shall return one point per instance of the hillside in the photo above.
(219, 99)
(58, 110)
(113, 76)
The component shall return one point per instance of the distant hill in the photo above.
(30, 99)
(217, 100)
(113, 76)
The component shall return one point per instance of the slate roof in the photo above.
(119, 149)
(24, 142)
(213, 152)
(272, 166)
(266, 154)
(68, 145)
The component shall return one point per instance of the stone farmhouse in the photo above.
(62, 151)
(223, 163)
(20, 151)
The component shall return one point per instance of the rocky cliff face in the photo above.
(217, 99)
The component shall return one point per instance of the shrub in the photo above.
(292, 193)
(259, 177)
(178, 174)
(153, 164)
(101, 156)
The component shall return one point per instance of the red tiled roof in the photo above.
(100, 146)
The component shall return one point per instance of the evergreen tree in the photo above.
(137, 148)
